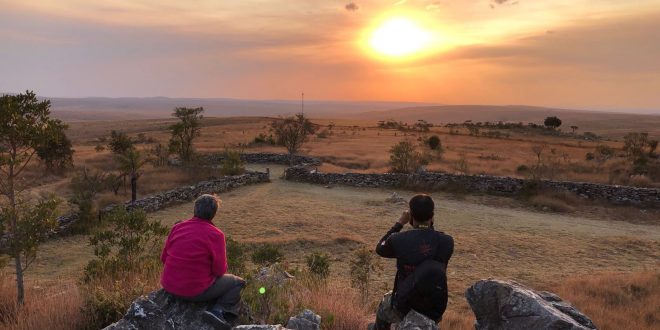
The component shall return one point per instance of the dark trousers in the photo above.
(225, 293)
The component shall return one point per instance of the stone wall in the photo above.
(267, 158)
(478, 183)
(178, 195)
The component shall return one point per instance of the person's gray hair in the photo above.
(206, 206)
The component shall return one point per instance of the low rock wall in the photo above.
(478, 183)
(267, 158)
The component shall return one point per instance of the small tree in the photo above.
(363, 264)
(185, 131)
(318, 264)
(160, 155)
(55, 148)
(130, 164)
(634, 144)
(132, 242)
(120, 143)
(552, 122)
(24, 123)
(292, 132)
(574, 128)
(404, 158)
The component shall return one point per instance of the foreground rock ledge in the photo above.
(499, 305)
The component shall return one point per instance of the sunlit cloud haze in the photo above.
(591, 54)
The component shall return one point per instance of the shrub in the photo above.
(85, 186)
(323, 134)
(119, 142)
(266, 254)
(434, 142)
(232, 164)
(318, 264)
(132, 242)
(362, 266)
(552, 122)
(522, 168)
(404, 158)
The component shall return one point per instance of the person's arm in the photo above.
(384, 247)
(219, 255)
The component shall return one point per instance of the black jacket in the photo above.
(411, 248)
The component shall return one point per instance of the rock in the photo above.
(260, 327)
(273, 275)
(509, 305)
(416, 321)
(306, 320)
(395, 198)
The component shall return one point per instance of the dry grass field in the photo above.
(544, 250)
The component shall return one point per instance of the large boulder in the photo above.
(500, 305)
(306, 320)
(416, 321)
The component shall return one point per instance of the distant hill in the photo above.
(99, 108)
(603, 123)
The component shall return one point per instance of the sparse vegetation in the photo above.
(232, 164)
(318, 264)
(404, 158)
(266, 254)
(185, 131)
(363, 265)
(292, 132)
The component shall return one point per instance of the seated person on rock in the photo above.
(195, 265)
(422, 255)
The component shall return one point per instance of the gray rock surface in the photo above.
(273, 275)
(416, 321)
(500, 305)
(260, 327)
(306, 320)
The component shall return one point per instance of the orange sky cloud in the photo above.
(581, 53)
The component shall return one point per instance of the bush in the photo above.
(266, 254)
(132, 242)
(434, 143)
(318, 264)
(363, 264)
(552, 122)
(323, 134)
(232, 164)
(522, 168)
(404, 158)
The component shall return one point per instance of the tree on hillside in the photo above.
(574, 128)
(292, 132)
(120, 143)
(434, 143)
(185, 131)
(55, 149)
(25, 123)
(130, 164)
(552, 122)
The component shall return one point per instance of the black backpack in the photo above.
(425, 290)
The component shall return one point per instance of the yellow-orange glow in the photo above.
(399, 37)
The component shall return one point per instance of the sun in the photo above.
(399, 37)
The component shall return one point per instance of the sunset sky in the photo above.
(589, 54)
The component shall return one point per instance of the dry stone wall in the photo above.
(267, 158)
(477, 183)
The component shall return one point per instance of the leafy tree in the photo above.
(55, 148)
(113, 182)
(160, 154)
(552, 122)
(130, 164)
(404, 158)
(24, 123)
(185, 131)
(292, 132)
(132, 242)
(362, 266)
(318, 264)
(120, 143)
(574, 128)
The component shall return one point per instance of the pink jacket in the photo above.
(194, 256)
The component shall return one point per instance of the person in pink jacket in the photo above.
(195, 265)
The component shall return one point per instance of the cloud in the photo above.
(494, 3)
(433, 6)
(352, 6)
(400, 2)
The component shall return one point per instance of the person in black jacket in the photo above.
(422, 255)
